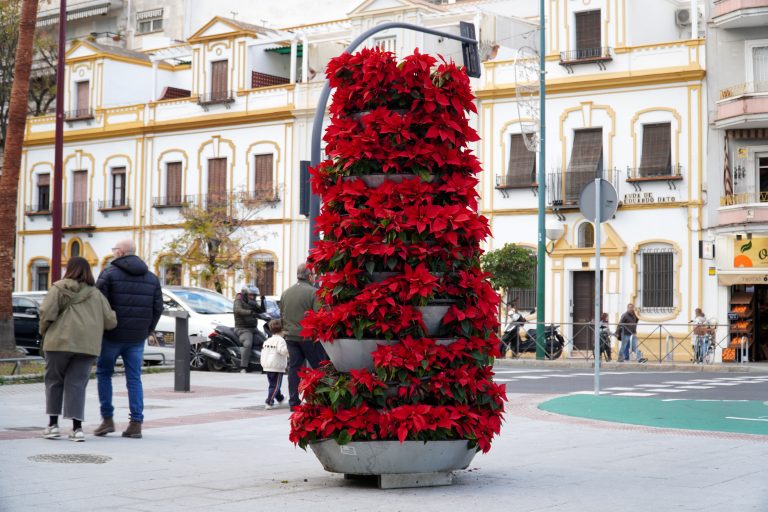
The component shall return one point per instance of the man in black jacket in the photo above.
(246, 309)
(134, 294)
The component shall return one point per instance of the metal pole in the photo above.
(598, 288)
(58, 149)
(541, 257)
(181, 351)
(317, 125)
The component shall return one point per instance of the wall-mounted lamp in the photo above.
(553, 235)
(738, 237)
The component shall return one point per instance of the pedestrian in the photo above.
(605, 337)
(700, 332)
(134, 293)
(247, 309)
(274, 361)
(73, 318)
(627, 333)
(294, 304)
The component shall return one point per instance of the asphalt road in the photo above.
(662, 384)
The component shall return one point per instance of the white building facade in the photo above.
(626, 101)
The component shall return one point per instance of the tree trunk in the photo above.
(9, 181)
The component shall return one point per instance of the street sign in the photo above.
(609, 200)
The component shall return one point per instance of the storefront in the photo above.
(743, 270)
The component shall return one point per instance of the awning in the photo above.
(730, 278)
(285, 50)
(51, 17)
(152, 13)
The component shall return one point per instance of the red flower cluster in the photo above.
(407, 119)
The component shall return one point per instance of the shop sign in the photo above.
(750, 253)
(734, 279)
(647, 198)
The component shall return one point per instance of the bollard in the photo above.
(181, 355)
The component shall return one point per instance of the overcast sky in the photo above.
(276, 13)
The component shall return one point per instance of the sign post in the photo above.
(598, 201)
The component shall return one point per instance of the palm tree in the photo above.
(9, 181)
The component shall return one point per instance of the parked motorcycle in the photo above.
(518, 340)
(223, 350)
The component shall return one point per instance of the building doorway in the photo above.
(583, 294)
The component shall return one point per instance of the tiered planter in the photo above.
(408, 319)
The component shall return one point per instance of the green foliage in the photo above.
(511, 266)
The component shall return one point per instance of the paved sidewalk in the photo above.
(216, 448)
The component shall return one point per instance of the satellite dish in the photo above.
(527, 74)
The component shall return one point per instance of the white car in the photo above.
(206, 309)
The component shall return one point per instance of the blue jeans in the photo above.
(628, 344)
(133, 357)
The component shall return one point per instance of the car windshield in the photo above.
(273, 309)
(205, 303)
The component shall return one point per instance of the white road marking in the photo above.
(696, 387)
(496, 379)
(677, 382)
(635, 394)
(653, 385)
(724, 384)
(745, 419)
(588, 393)
(667, 390)
(531, 377)
(619, 389)
(521, 371)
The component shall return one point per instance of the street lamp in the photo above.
(553, 235)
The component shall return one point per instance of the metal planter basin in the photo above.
(375, 180)
(393, 457)
(433, 317)
(353, 354)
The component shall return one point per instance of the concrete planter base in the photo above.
(408, 464)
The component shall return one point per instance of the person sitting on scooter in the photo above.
(246, 321)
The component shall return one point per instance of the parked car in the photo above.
(273, 305)
(206, 309)
(26, 320)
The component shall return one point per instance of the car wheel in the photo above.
(196, 358)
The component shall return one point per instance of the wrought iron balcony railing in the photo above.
(564, 187)
(112, 204)
(172, 201)
(80, 114)
(599, 55)
(216, 98)
(77, 214)
(744, 89)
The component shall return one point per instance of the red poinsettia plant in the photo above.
(391, 248)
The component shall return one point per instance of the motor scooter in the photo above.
(518, 340)
(223, 350)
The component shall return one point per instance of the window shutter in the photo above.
(586, 159)
(217, 179)
(219, 79)
(588, 34)
(263, 183)
(521, 171)
(83, 98)
(656, 159)
(118, 186)
(173, 183)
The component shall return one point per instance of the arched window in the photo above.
(586, 235)
(74, 250)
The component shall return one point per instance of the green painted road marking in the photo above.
(744, 417)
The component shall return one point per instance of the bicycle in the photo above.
(704, 350)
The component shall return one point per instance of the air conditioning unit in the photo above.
(683, 17)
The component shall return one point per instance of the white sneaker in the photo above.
(77, 436)
(270, 407)
(51, 432)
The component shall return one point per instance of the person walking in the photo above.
(73, 318)
(605, 337)
(700, 331)
(246, 309)
(134, 293)
(294, 304)
(627, 333)
(274, 361)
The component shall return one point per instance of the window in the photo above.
(83, 99)
(586, 235)
(656, 279)
(762, 172)
(40, 275)
(588, 41)
(149, 21)
(261, 271)
(173, 183)
(388, 43)
(524, 299)
(656, 159)
(219, 80)
(74, 250)
(263, 185)
(118, 187)
(760, 68)
(170, 274)
(521, 171)
(43, 192)
(217, 180)
(586, 161)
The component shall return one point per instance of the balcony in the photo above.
(639, 175)
(564, 187)
(114, 205)
(77, 216)
(37, 209)
(598, 56)
(744, 208)
(225, 98)
(172, 201)
(80, 114)
(507, 182)
(730, 14)
(255, 197)
(743, 105)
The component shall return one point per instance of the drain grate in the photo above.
(70, 458)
